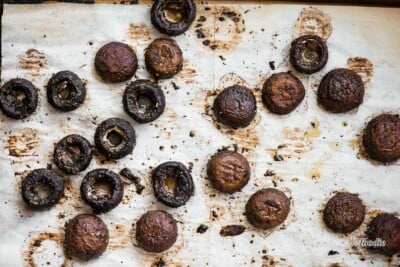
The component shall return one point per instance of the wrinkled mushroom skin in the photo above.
(18, 98)
(115, 138)
(156, 231)
(144, 101)
(172, 183)
(228, 171)
(116, 62)
(163, 58)
(267, 208)
(387, 228)
(381, 138)
(65, 91)
(86, 237)
(104, 201)
(235, 106)
(73, 154)
(308, 54)
(185, 11)
(282, 93)
(341, 90)
(344, 212)
(42, 188)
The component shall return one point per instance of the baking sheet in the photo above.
(320, 150)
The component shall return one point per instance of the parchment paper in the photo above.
(320, 151)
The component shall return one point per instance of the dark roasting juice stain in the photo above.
(33, 62)
(296, 142)
(22, 144)
(119, 237)
(313, 21)
(188, 73)
(35, 243)
(138, 31)
(223, 31)
(362, 66)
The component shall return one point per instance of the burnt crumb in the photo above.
(192, 133)
(202, 229)
(206, 42)
(214, 214)
(136, 180)
(221, 18)
(176, 87)
(200, 33)
(278, 157)
(161, 148)
(272, 65)
(221, 57)
(213, 47)
(232, 230)
(332, 252)
(313, 124)
(37, 243)
(190, 165)
(201, 19)
(269, 172)
(207, 8)
(159, 263)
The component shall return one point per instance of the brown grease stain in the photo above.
(188, 73)
(161, 262)
(22, 144)
(33, 61)
(315, 172)
(35, 242)
(296, 141)
(138, 31)
(313, 21)
(362, 66)
(119, 237)
(269, 261)
(223, 32)
(171, 115)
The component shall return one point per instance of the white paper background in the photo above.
(357, 31)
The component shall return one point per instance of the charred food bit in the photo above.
(232, 230)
